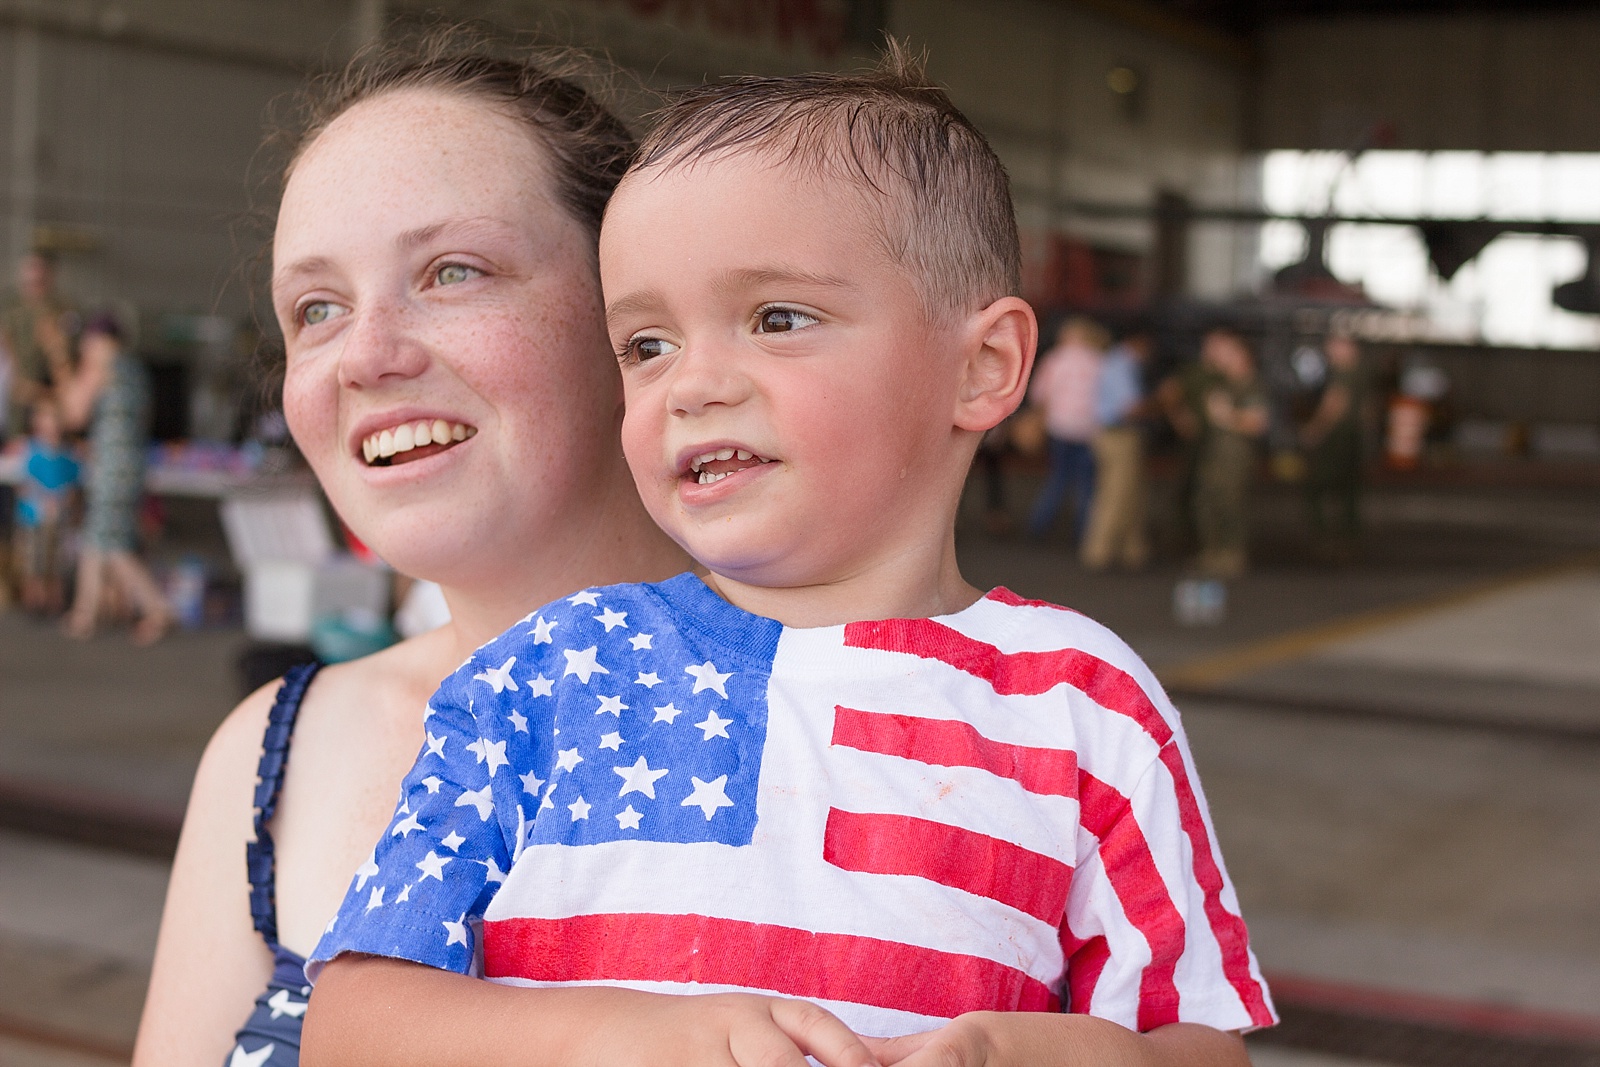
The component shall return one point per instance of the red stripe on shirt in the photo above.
(779, 959)
(1086, 960)
(1129, 865)
(951, 856)
(1032, 673)
(952, 743)
(1001, 595)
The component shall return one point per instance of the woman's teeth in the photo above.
(705, 477)
(405, 437)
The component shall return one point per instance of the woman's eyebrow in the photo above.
(445, 227)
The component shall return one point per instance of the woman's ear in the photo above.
(998, 359)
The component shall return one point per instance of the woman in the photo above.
(110, 394)
(450, 382)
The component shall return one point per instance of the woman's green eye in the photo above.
(784, 320)
(451, 273)
(319, 312)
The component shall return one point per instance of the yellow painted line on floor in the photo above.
(1218, 668)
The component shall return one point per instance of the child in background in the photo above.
(50, 475)
(969, 834)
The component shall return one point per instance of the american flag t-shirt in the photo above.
(905, 820)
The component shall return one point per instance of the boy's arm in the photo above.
(388, 1012)
(1041, 1039)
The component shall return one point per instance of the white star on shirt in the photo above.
(282, 1005)
(405, 894)
(568, 758)
(612, 619)
(648, 679)
(667, 713)
(579, 809)
(611, 706)
(376, 899)
(519, 721)
(432, 866)
(713, 726)
(367, 870)
(583, 664)
(258, 1058)
(436, 746)
(628, 819)
(494, 874)
(433, 782)
(457, 931)
(708, 796)
(545, 803)
(613, 741)
(706, 677)
(404, 827)
(589, 597)
(492, 752)
(541, 631)
(540, 686)
(531, 783)
(499, 678)
(477, 798)
(452, 841)
(640, 641)
(638, 779)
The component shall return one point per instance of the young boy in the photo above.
(50, 475)
(972, 834)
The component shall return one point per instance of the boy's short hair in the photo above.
(947, 213)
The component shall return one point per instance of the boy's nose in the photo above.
(704, 376)
(380, 345)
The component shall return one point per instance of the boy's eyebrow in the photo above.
(733, 281)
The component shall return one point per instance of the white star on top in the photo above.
(499, 678)
(541, 631)
(579, 809)
(432, 866)
(258, 1058)
(613, 741)
(667, 713)
(540, 686)
(648, 679)
(531, 783)
(545, 803)
(708, 796)
(612, 619)
(583, 664)
(477, 798)
(282, 1005)
(640, 641)
(491, 752)
(404, 827)
(611, 706)
(452, 841)
(494, 874)
(457, 931)
(713, 726)
(376, 899)
(588, 596)
(367, 870)
(519, 721)
(433, 782)
(639, 778)
(568, 758)
(706, 677)
(628, 819)
(405, 894)
(436, 746)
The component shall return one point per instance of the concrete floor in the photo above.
(1384, 831)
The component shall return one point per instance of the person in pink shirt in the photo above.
(1065, 385)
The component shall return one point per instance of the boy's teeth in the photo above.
(742, 454)
(724, 453)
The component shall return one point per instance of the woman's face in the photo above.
(428, 284)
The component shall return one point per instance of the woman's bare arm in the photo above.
(210, 963)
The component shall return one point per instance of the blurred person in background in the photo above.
(1064, 387)
(1219, 406)
(1116, 532)
(1331, 438)
(49, 477)
(451, 383)
(108, 395)
(35, 306)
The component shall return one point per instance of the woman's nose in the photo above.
(381, 344)
(705, 376)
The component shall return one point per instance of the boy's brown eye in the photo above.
(783, 320)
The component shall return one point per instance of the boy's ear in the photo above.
(998, 360)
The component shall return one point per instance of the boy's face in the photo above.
(760, 321)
